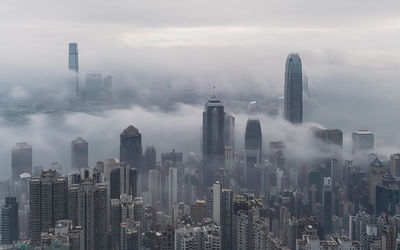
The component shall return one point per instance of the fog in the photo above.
(156, 52)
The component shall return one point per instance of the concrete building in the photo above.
(48, 202)
(79, 153)
(362, 141)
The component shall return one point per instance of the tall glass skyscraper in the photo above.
(213, 130)
(130, 149)
(293, 108)
(73, 64)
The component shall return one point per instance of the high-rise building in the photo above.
(395, 165)
(155, 185)
(207, 237)
(48, 202)
(229, 130)
(172, 186)
(198, 211)
(362, 140)
(9, 221)
(226, 219)
(87, 207)
(253, 150)
(21, 160)
(216, 203)
(213, 130)
(73, 65)
(293, 106)
(250, 230)
(172, 157)
(376, 172)
(387, 196)
(130, 149)
(79, 153)
(123, 180)
(94, 87)
(327, 203)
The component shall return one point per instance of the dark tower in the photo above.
(213, 130)
(130, 149)
(253, 149)
(293, 89)
(9, 221)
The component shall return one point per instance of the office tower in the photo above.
(73, 65)
(87, 207)
(9, 221)
(198, 211)
(21, 160)
(327, 203)
(229, 159)
(123, 180)
(150, 157)
(48, 202)
(226, 219)
(376, 172)
(172, 186)
(362, 140)
(216, 203)
(155, 185)
(395, 165)
(207, 237)
(79, 153)
(229, 130)
(213, 130)
(253, 150)
(130, 149)
(94, 87)
(293, 106)
(387, 196)
(172, 157)
(329, 136)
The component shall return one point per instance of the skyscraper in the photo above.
(94, 87)
(253, 150)
(21, 160)
(213, 130)
(362, 140)
(229, 131)
(172, 186)
(87, 207)
(79, 153)
(293, 106)
(395, 165)
(130, 149)
(376, 172)
(327, 202)
(73, 64)
(9, 221)
(123, 180)
(48, 202)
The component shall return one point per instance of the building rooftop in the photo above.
(362, 132)
(377, 163)
(130, 130)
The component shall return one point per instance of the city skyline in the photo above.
(200, 125)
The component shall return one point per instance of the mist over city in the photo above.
(199, 125)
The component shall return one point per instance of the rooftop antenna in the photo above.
(213, 91)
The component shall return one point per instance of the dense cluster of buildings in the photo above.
(253, 196)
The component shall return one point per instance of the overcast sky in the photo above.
(349, 49)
